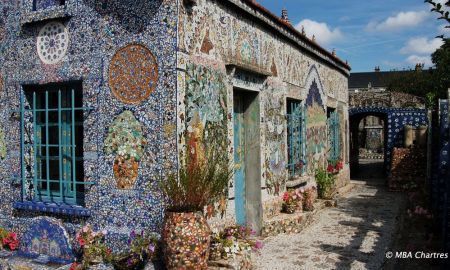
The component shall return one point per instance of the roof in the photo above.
(376, 79)
(291, 29)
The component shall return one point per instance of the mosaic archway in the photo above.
(133, 74)
(397, 119)
(316, 121)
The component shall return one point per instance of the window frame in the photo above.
(296, 137)
(69, 119)
(334, 141)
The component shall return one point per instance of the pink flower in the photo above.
(259, 245)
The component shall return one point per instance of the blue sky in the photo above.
(392, 34)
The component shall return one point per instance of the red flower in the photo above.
(74, 266)
(13, 245)
(330, 168)
(81, 242)
(286, 196)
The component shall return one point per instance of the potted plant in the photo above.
(200, 182)
(325, 182)
(142, 247)
(93, 248)
(309, 197)
(290, 201)
(232, 241)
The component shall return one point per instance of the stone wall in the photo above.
(408, 168)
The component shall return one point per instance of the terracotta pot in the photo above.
(186, 241)
(289, 208)
(125, 172)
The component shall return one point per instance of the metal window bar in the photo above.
(64, 188)
(334, 136)
(296, 129)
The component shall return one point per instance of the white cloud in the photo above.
(418, 59)
(421, 46)
(399, 21)
(442, 30)
(323, 33)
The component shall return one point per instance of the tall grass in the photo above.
(199, 182)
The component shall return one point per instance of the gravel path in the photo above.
(355, 235)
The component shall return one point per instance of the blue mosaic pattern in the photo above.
(44, 4)
(97, 29)
(440, 179)
(397, 119)
(47, 237)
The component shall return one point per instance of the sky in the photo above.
(391, 34)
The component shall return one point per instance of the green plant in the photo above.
(93, 247)
(325, 181)
(141, 248)
(233, 240)
(200, 182)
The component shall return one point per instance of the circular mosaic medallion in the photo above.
(52, 42)
(133, 74)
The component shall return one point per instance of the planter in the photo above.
(325, 193)
(186, 241)
(128, 263)
(125, 172)
(289, 208)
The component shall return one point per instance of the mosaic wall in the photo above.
(275, 142)
(316, 124)
(124, 54)
(136, 86)
(211, 32)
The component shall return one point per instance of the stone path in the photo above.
(355, 235)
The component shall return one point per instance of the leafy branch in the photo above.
(439, 8)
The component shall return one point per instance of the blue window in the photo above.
(296, 134)
(52, 144)
(333, 123)
(44, 4)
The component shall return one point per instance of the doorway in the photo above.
(367, 149)
(247, 159)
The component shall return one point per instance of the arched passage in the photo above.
(395, 120)
(368, 141)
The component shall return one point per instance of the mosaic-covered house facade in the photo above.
(100, 98)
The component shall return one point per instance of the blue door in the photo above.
(239, 160)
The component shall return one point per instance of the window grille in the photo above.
(52, 144)
(334, 135)
(296, 135)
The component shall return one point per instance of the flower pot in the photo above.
(186, 241)
(289, 208)
(127, 262)
(125, 172)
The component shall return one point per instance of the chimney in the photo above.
(284, 15)
(377, 69)
(334, 52)
(419, 67)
